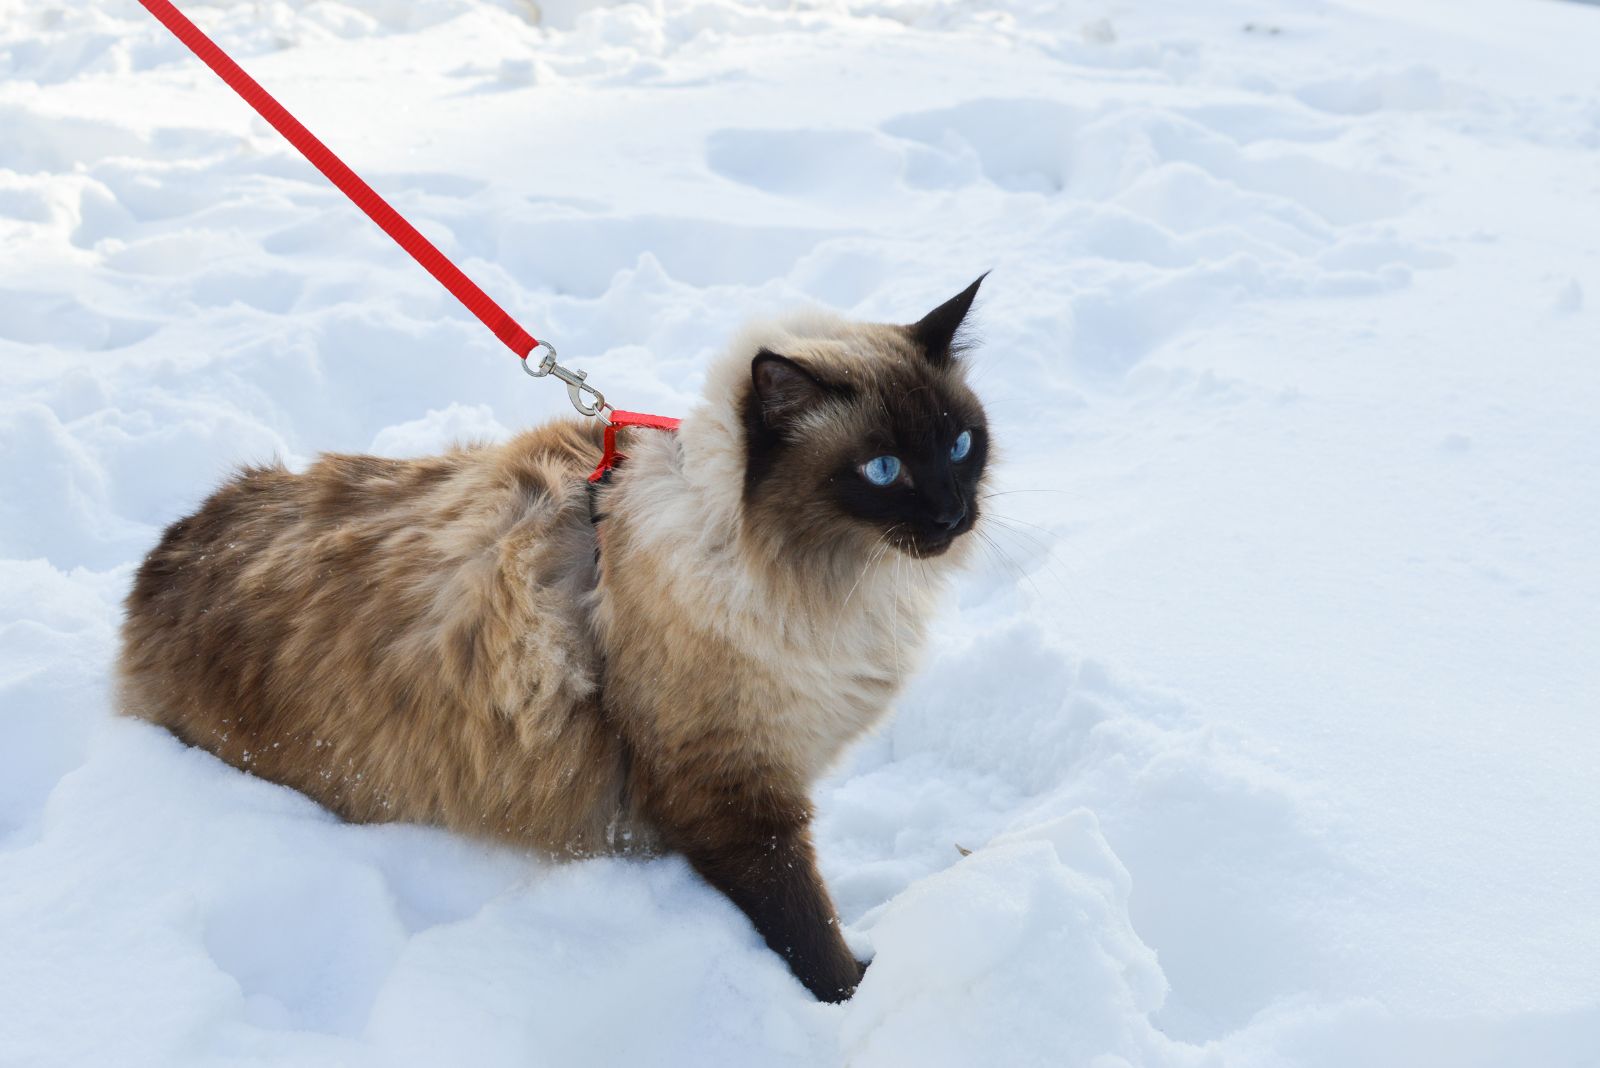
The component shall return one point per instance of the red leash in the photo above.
(394, 224)
(349, 182)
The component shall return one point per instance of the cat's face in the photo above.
(873, 436)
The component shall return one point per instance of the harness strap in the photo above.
(609, 456)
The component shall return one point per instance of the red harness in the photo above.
(611, 457)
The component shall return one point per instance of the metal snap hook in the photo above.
(576, 391)
(577, 388)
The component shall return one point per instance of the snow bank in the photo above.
(1266, 715)
(1043, 937)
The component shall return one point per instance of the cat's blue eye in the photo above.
(881, 470)
(963, 445)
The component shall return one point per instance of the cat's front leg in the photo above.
(757, 850)
(776, 882)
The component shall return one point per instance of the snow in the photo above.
(1268, 717)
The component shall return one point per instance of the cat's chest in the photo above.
(813, 697)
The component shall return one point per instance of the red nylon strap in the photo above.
(378, 210)
(610, 457)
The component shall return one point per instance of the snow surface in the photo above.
(1269, 719)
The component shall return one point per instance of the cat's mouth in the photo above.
(927, 544)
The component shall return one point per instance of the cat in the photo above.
(663, 662)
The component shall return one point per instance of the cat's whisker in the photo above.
(988, 548)
(1006, 559)
(1008, 493)
(1013, 519)
(876, 554)
(1047, 549)
(1044, 545)
(1042, 552)
(896, 631)
(1011, 563)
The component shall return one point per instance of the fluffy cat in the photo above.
(470, 640)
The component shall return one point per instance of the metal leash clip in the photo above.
(577, 387)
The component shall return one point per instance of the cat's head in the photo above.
(864, 433)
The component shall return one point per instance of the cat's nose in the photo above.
(951, 515)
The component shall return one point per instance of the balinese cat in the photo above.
(470, 640)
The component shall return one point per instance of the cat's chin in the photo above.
(927, 548)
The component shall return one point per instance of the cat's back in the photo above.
(350, 622)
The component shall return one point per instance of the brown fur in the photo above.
(393, 638)
(432, 640)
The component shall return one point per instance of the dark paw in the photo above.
(846, 993)
(843, 992)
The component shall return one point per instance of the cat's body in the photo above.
(472, 641)
(399, 639)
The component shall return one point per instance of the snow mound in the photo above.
(991, 959)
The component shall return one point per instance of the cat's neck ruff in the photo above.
(832, 647)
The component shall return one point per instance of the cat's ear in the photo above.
(935, 333)
(783, 388)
